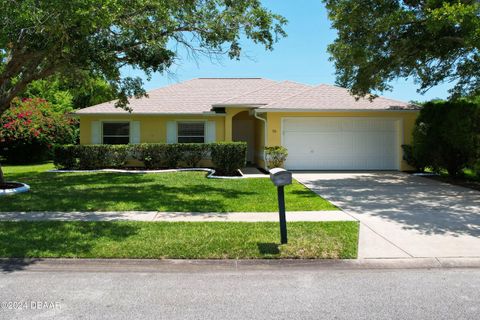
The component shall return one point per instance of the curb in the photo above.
(178, 265)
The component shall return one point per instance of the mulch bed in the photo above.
(472, 184)
(222, 174)
(10, 185)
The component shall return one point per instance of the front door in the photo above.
(244, 130)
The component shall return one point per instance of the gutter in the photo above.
(265, 110)
(209, 113)
(265, 135)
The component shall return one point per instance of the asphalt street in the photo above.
(256, 293)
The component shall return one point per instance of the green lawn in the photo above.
(179, 191)
(193, 240)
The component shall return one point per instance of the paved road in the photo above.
(271, 293)
(403, 215)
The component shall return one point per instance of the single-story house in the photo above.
(323, 127)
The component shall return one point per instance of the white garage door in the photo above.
(328, 143)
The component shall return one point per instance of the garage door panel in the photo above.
(340, 143)
(310, 125)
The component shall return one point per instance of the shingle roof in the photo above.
(193, 96)
(198, 96)
(328, 97)
(268, 94)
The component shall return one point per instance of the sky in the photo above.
(301, 57)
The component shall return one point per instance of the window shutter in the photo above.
(210, 132)
(96, 127)
(171, 132)
(135, 132)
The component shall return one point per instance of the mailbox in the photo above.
(280, 177)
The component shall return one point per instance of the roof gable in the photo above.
(267, 94)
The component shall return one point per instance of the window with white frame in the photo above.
(116, 132)
(191, 132)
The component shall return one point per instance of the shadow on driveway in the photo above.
(420, 204)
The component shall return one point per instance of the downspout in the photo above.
(265, 136)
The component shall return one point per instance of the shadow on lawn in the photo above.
(268, 248)
(305, 193)
(99, 192)
(21, 241)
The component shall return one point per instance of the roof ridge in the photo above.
(365, 97)
(266, 87)
(265, 79)
(231, 78)
(294, 95)
(393, 100)
(296, 82)
(250, 92)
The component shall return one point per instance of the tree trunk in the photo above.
(2, 180)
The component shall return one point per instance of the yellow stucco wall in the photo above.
(259, 142)
(152, 128)
(407, 118)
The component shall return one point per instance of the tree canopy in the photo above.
(66, 96)
(99, 37)
(431, 41)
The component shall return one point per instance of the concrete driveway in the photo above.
(402, 215)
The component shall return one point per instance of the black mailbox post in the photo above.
(280, 178)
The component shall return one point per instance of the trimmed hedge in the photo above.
(156, 156)
(226, 157)
(65, 156)
(193, 153)
(91, 157)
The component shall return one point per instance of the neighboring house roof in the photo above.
(200, 95)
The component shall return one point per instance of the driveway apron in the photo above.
(402, 215)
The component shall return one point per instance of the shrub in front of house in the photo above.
(446, 136)
(173, 155)
(30, 128)
(411, 156)
(476, 167)
(94, 157)
(151, 154)
(226, 157)
(160, 155)
(91, 157)
(193, 153)
(65, 156)
(276, 156)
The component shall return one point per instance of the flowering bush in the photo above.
(30, 128)
(276, 156)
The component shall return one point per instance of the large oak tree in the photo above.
(430, 41)
(41, 38)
